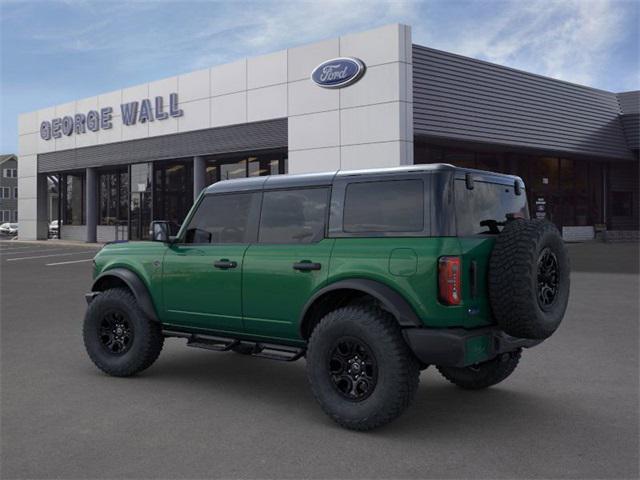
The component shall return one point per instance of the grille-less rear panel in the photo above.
(236, 138)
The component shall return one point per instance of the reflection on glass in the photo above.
(220, 168)
(73, 206)
(229, 171)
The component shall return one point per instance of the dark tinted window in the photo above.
(224, 219)
(487, 201)
(385, 206)
(293, 216)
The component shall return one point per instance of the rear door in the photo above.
(290, 260)
(202, 273)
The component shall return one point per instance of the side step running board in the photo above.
(278, 352)
(271, 351)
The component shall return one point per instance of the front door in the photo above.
(289, 262)
(202, 271)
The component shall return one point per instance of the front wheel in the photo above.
(483, 375)
(359, 367)
(119, 338)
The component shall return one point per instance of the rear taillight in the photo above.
(449, 280)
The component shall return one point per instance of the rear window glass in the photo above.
(293, 216)
(486, 202)
(384, 206)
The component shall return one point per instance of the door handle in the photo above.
(225, 264)
(306, 265)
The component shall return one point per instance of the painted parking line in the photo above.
(35, 250)
(70, 261)
(45, 256)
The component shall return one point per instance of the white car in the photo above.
(54, 229)
(9, 228)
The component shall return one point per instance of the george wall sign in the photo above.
(338, 72)
(94, 120)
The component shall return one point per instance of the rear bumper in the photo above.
(457, 347)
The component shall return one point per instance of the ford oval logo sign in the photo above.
(338, 73)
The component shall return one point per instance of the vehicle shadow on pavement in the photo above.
(439, 408)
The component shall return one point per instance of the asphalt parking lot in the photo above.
(569, 411)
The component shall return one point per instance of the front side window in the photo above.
(293, 216)
(224, 219)
(6, 192)
(393, 206)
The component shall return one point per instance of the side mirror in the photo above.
(163, 231)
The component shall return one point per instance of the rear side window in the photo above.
(487, 202)
(384, 206)
(293, 216)
(224, 219)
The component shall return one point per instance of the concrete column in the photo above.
(91, 205)
(42, 215)
(199, 176)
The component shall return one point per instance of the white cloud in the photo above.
(569, 40)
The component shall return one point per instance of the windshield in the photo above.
(485, 208)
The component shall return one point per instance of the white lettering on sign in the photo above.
(331, 72)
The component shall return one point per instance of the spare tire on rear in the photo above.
(529, 279)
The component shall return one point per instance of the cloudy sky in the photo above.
(57, 51)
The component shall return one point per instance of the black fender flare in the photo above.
(391, 300)
(135, 284)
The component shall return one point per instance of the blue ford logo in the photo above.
(338, 72)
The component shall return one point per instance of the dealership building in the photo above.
(109, 164)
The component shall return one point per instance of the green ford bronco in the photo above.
(370, 275)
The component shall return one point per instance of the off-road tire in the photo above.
(514, 280)
(484, 374)
(397, 368)
(147, 339)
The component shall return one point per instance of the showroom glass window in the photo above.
(247, 165)
(399, 207)
(113, 195)
(172, 190)
(73, 199)
(293, 216)
(228, 218)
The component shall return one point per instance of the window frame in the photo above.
(253, 222)
(325, 230)
(340, 185)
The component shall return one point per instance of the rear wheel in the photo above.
(359, 367)
(118, 337)
(483, 375)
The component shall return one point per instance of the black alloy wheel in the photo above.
(116, 332)
(353, 369)
(547, 278)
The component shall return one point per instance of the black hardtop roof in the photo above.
(327, 178)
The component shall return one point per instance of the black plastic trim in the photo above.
(447, 346)
(391, 300)
(135, 284)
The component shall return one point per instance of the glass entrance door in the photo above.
(140, 218)
(140, 204)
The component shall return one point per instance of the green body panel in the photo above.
(410, 266)
(197, 294)
(477, 248)
(264, 295)
(139, 257)
(273, 293)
